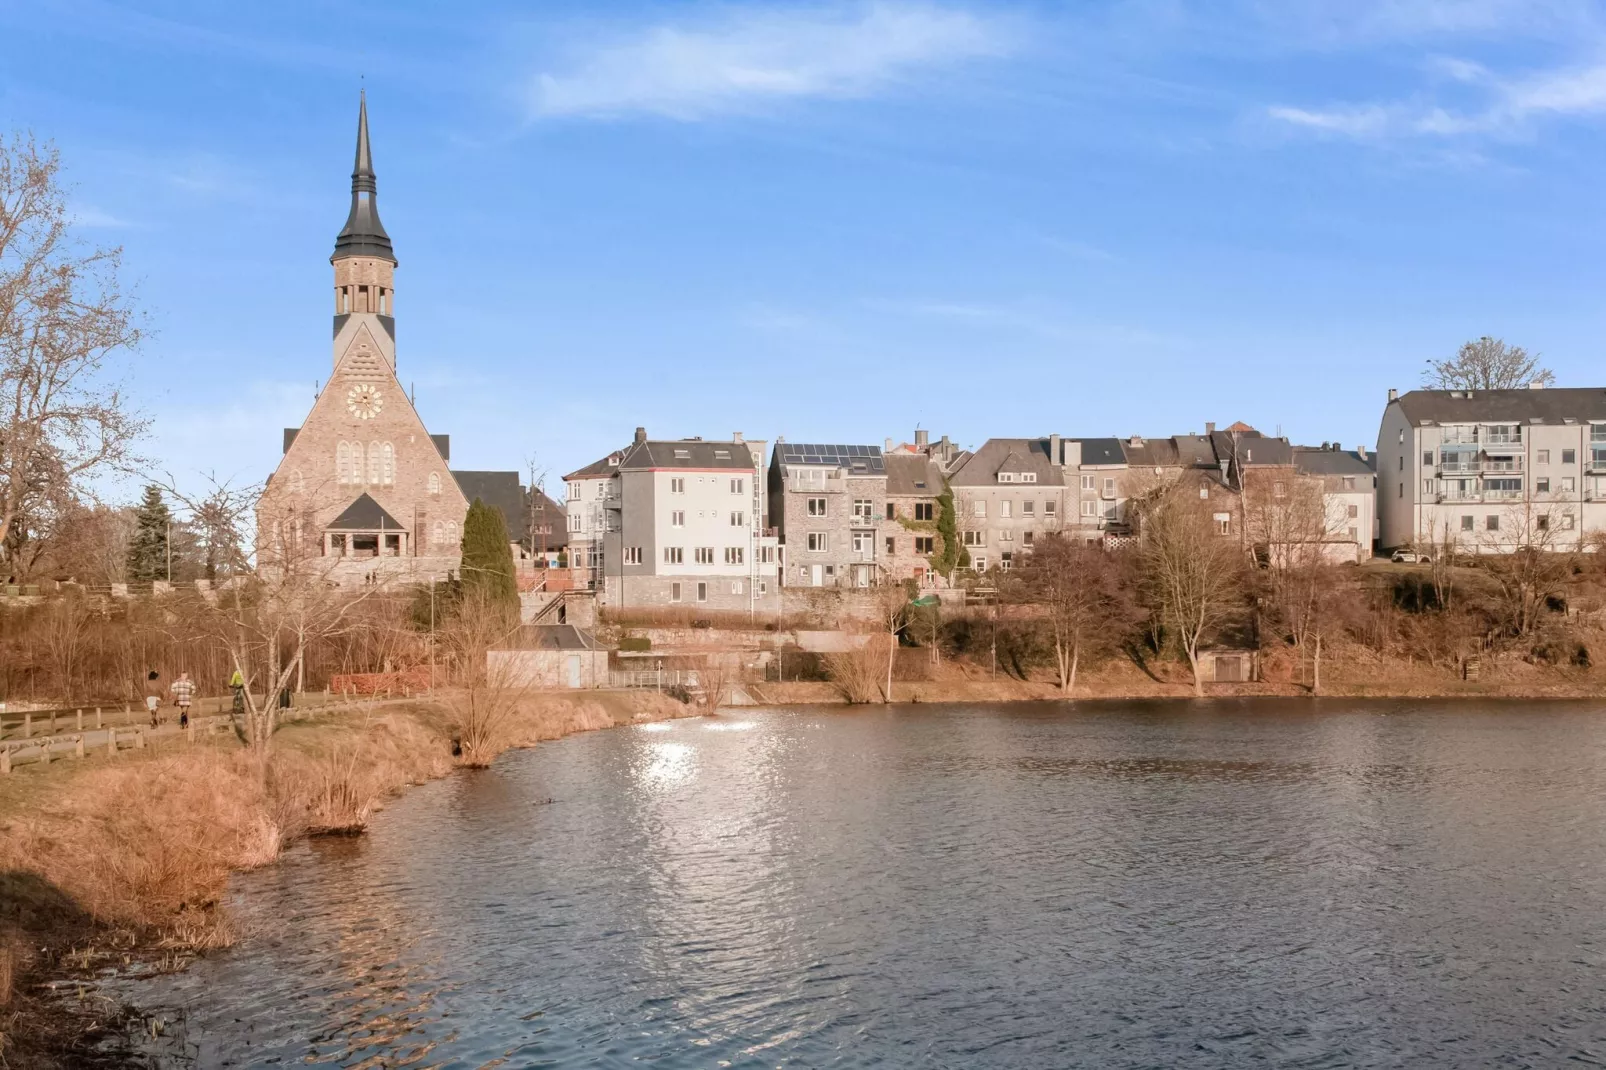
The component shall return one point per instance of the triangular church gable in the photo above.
(363, 359)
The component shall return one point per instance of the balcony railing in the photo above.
(1509, 464)
(1461, 467)
(1502, 495)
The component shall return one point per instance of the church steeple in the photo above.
(364, 235)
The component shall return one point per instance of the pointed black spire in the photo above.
(364, 234)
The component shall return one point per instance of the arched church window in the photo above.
(297, 484)
(435, 483)
(388, 465)
(440, 533)
(451, 533)
(343, 462)
(373, 462)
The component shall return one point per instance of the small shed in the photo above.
(1228, 665)
(557, 656)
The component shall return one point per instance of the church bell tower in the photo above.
(365, 269)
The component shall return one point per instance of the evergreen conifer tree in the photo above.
(147, 550)
(488, 559)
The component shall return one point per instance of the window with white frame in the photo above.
(1049, 508)
(818, 542)
(702, 592)
(816, 507)
(1028, 509)
(1006, 510)
(738, 486)
(979, 562)
(863, 542)
(677, 518)
(1569, 484)
(1090, 508)
(766, 555)
(738, 520)
(862, 510)
(674, 592)
(674, 555)
(1109, 486)
(576, 522)
(1006, 477)
(632, 555)
(705, 555)
(677, 485)
(735, 555)
(979, 510)
(973, 538)
(1028, 477)
(1005, 561)
(1006, 536)
(1089, 483)
(1223, 523)
(1542, 485)
(737, 587)
(574, 490)
(1542, 457)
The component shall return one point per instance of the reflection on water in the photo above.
(1124, 884)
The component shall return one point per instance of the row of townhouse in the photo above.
(709, 523)
(1493, 470)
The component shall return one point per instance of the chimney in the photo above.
(1210, 427)
(641, 435)
(1536, 385)
(1394, 395)
(1360, 451)
(947, 448)
(1054, 456)
(887, 447)
(1135, 441)
(1327, 445)
(736, 436)
(922, 439)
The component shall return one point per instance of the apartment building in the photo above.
(829, 504)
(1099, 479)
(678, 522)
(1492, 470)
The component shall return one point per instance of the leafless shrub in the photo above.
(859, 673)
(484, 697)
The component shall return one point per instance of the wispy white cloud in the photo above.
(755, 56)
(1509, 108)
(1047, 324)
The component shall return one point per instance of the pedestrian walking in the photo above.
(153, 694)
(237, 685)
(183, 692)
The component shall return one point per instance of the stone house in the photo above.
(1006, 494)
(828, 502)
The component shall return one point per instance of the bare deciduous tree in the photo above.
(485, 693)
(63, 321)
(1529, 562)
(1195, 572)
(1487, 364)
(1078, 588)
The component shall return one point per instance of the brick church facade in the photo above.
(362, 483)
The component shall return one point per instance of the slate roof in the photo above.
(913, 475)
(1101, 451)
(855, 459)
(1315, 461)
(690, 453)
(1008, 455)
(365, 514)
(1253, 448)
(500, 490)
(1551, 405)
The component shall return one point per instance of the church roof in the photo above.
(365, 514)
(501, 491)
(363, 234)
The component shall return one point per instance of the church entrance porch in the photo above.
(365, 544)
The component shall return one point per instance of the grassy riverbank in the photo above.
(113, 862)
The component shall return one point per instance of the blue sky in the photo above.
(833, 221)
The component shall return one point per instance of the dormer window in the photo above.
(722, 455)
(1028, 477)
(683, 455)
(1006, 477)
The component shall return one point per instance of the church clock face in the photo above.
(363, 401)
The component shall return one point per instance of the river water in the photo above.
(1138, 884)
